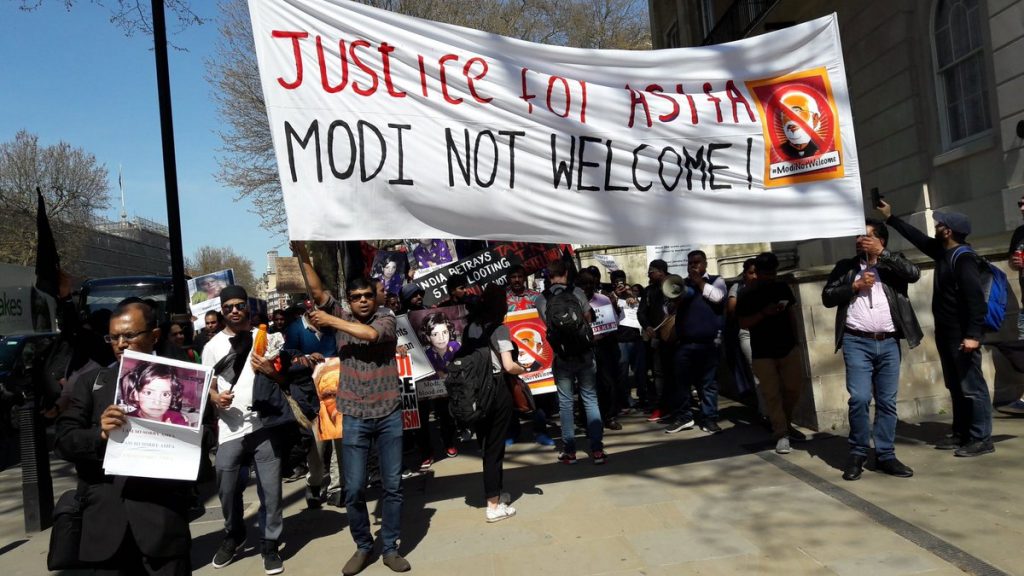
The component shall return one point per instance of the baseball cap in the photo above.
(955, 221)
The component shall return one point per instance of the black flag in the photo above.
(47, 259)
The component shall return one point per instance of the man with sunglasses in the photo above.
(241, 434)
(958, 306)
(369, 397)
(130, 525)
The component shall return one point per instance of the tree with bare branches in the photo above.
(73, 184)
(131, 16)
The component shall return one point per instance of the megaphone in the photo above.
(673, 286)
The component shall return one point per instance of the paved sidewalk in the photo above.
(674, 505)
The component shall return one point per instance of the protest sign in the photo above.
(409, 341)
(438, 331)
(604, 319)
(432, 387)
(164, 400)
(390, 268)
(204, 294)
(607, 261)
(629, 318)
(386, 122)
(530, 335)
(480, 269)
(533, 257)
(673, 255)
(289, 276)
(426, 253)
(410, 404)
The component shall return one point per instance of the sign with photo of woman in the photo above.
(439, 331)
(390, 268)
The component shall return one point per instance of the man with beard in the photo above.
(242, 435)
(798, 142)
(958, 306)
(130, 525)
(873, 312)
(369, 397)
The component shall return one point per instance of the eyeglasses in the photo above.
(356, 296)
(127, 336)
(1020, 203)
(229, 308)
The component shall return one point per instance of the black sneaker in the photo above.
(975, 448)
(711, 427)
(679, 425)
(272, 563)
(229, 548)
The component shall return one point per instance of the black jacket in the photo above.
(958, 299)
(895, 272)
(156, 510)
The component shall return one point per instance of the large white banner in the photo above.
(390, 126)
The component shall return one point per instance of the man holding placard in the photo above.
(132, 525)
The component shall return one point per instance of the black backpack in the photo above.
(471, 382)
(569, 333)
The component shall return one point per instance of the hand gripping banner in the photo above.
(389, 126)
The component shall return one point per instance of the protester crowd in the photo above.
(338, 373)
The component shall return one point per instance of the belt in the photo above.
(871, 335)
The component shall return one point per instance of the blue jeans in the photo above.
(696, 364)
(386, 433)
(584, 371)
(872, 369)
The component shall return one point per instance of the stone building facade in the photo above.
(937, 95)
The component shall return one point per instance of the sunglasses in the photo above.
(356, 296)
(228, 308)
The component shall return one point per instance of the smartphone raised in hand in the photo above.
(876, 198)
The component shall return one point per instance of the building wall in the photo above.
(135, 252)
(888, 53)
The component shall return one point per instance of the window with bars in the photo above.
(960, 66)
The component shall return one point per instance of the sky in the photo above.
(74, 76)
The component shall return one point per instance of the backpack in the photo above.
(994, 285)
(471, 382)
(569, 333)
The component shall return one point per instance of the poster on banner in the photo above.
(438, 331)
(164, 400)
(533, 257)
(607, 261)
(530, 335)
(673, 255)
(410, 404)
(482, 268)
(409, 342)
(460, 133)
(605, 319)
(390, 268)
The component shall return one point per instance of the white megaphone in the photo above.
(673, 286)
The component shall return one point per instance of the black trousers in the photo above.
(606, 353)
(445, 422)
(490, 432)
(961, 372)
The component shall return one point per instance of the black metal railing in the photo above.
(739, 19)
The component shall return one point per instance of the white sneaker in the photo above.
(500, 512)
(504, 498)
(782, 446)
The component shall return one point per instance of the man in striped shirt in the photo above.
(369, 398)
